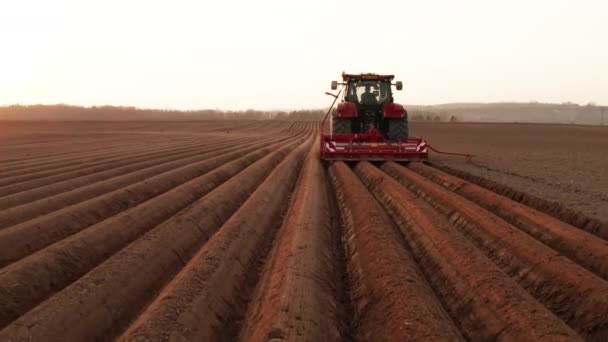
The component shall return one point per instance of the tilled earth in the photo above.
(224, 230)
(567, 164)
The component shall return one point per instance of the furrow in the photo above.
(574, 294)
(554, 209)
(26, 283)
(87, 158)
(102, 303)
(392, 300)
(43, 173)
(31, 191)
(214, 283)
(23, 239)
(585, 248)
(298, 294)
(486, 303)
(33, 154)
(94, 150)
(29, 211)
(54, 167)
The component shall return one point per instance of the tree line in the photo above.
(125, 113)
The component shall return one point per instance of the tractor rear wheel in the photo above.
(398, 129)
(341, 126)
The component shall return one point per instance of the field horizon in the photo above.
(507, 112)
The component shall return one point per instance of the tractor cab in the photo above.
(368, 103)
(368, 93)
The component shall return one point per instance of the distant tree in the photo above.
(281, 116)
(417, 117)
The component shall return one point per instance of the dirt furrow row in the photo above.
(299, 291)
(585, 248)
(81, 166)
(554, 209)
(29, 211)
(213, 284)
(25, 238)
(16, 143)
(91, 159)
(43, 173)
(96, 151)
(486, 304)
(391, 299)
(102, 303)
(574, 294)
(31, 191)
(77, 149)
(26, 283)
(34, 146)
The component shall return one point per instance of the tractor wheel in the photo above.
(397, 129)
(341, 126)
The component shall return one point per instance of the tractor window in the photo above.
(369, 92)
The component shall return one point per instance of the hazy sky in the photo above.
(273, 54)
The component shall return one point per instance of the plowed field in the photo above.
(224, 231)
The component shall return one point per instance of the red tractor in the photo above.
(368, 102)
(368, 124)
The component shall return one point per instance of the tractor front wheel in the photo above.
(398, 129)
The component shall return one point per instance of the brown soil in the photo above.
(584, 248)
(36, 277)
(296, 297)
(498, 308)
(154, 258)
(546, 274)
(391, 299)
(209, 288)
(227, 230)
(555, 209)
(562, 163)
(71, 219)
(85, 174)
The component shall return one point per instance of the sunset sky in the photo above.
(272, 54)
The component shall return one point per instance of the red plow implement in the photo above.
(371, 146)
